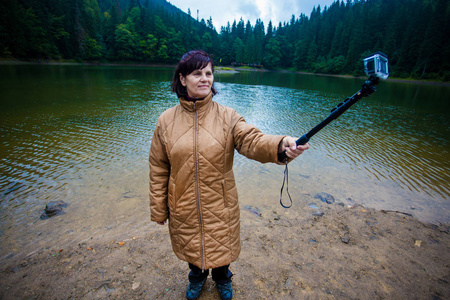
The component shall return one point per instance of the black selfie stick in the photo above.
(376, 66)
(367, 89)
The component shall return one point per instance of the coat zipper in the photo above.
(197, 188)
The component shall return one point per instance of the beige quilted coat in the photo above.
(192, 182)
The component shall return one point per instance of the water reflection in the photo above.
(82, 135)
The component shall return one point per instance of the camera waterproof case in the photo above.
(377, 65)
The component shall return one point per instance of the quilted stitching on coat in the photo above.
(219, 130)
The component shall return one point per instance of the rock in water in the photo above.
(53, 208)
(318, 213)
(313, 205)
(324, 197)
(253, 210)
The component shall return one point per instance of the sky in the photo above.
(223, 11)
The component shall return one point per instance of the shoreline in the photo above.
(235, 70)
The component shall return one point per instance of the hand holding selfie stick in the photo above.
(376, 67)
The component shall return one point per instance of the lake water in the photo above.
(81, 134)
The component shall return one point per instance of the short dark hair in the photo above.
(190, 61)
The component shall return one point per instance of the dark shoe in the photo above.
(194, 289)
(225, 291)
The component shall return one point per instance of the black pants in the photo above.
(220, 275)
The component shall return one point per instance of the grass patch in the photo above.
(224, 68)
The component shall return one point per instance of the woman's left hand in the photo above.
(292, 150)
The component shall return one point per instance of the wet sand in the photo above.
(349, 252)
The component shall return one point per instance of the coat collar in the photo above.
(200, 105)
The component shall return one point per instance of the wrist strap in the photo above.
(285, 180)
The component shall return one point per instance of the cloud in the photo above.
(249, 8)
(223, 11)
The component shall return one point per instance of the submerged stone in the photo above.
(324, 197)
(318, 213)
(53, 208)
(253, 210)
(313, 205)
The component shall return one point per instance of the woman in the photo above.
(191, 178)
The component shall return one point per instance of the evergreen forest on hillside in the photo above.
(413, 33)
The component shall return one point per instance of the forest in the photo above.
(333, 40)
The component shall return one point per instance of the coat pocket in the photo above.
(224, 193)
(171, 198)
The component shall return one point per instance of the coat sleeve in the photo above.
(254, 144)
(159, 177)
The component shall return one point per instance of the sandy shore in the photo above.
(346, 253)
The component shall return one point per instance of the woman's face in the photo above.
(199, 82)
